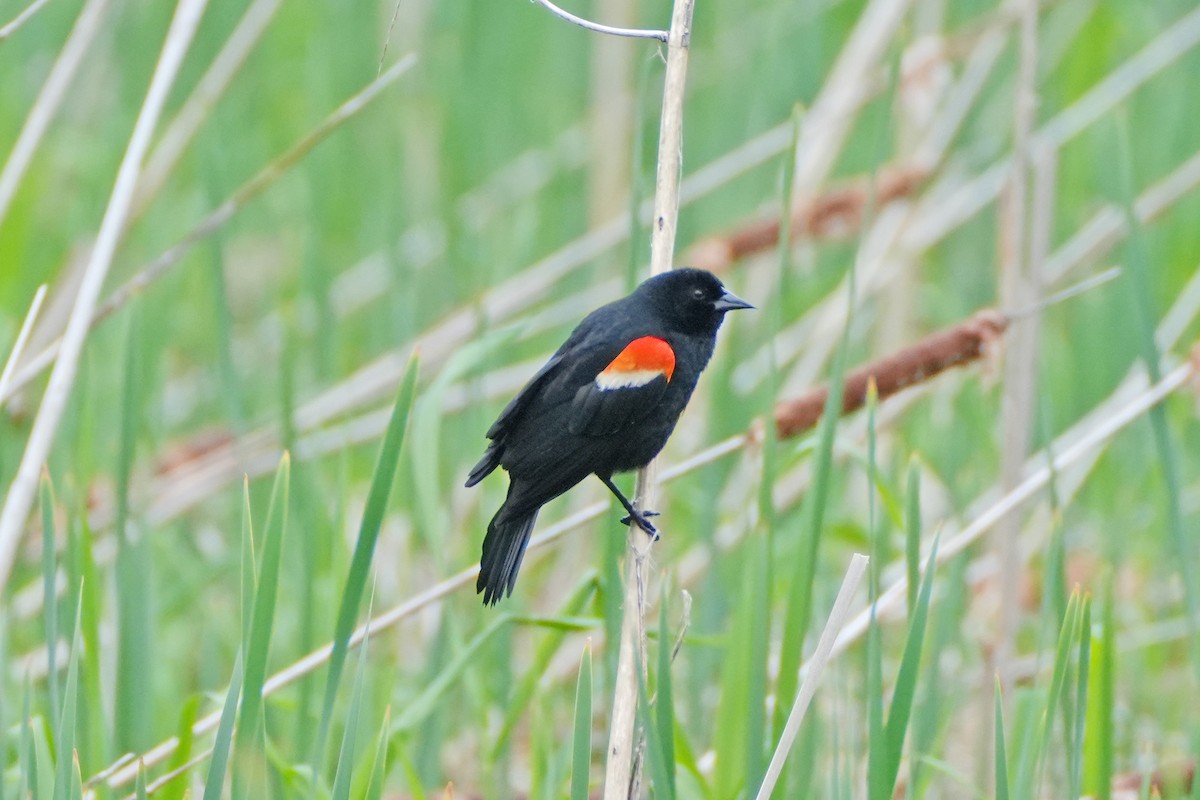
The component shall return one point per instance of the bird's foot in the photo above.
(643, 522)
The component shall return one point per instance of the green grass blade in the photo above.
(519, 700)
(758, 601)
(946, 620)
(664, 701)
(134, 570)
(27, 786)
(1141, 292)
(1001, 758)
(345, 762)
(1054, 583)
(876, 740)
(739, 739)
(49, 593)
(379, 763)
(874, 531)
(878, 758)
(581, 738)
(415, 787)
(1098, 728)
(140, 788)
(426, 702)
(611, 598)
(43, 759)
(1033, 754)
(222, 319)
(659, 770)
(249, 571)
(174, 790)
(249, 757)
(93, 721)
(912, 532)
(426, 444)
(905, 691)
(76, 778)
(65, 742)
(1075, 721)
(800, 600)
(364, 548)
(214, 782)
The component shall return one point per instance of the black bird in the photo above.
(606, 402)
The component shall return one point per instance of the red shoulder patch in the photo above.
(641, 361)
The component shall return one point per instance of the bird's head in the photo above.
(691, 300)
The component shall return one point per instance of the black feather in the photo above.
(503, 550)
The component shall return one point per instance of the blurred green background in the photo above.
(477, 206)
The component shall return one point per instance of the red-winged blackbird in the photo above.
(606, 402)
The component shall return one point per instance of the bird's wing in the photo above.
(625, 390)
(514, 408)
(508, 417)
(578, 358)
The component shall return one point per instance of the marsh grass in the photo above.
(248, 445)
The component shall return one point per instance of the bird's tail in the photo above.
(503, 548)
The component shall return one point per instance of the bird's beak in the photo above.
(730, 302)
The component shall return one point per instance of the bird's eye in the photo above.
(698, 293)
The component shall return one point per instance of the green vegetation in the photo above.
(354, 239)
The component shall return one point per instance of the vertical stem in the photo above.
(619, 771)
(1016, 291)
(670, 140)
(62, 379)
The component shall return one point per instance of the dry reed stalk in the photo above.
(817, 663)
(828, 123)
(622, 775)
(18, 347)
(1017, 289)
(13, 25)
(62, 379)
(87, 25)
(179, 132)
(836, 212)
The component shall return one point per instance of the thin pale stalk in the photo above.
(619, 770)
(18, 347)
(814, 669)
(45, 426)
(833, 113)
(1017, 289)
(20, 19)
(48, 100)
(178, 133)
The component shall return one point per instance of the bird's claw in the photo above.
(643, 522)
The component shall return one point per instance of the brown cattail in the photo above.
(936, 353)
(838, 211)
